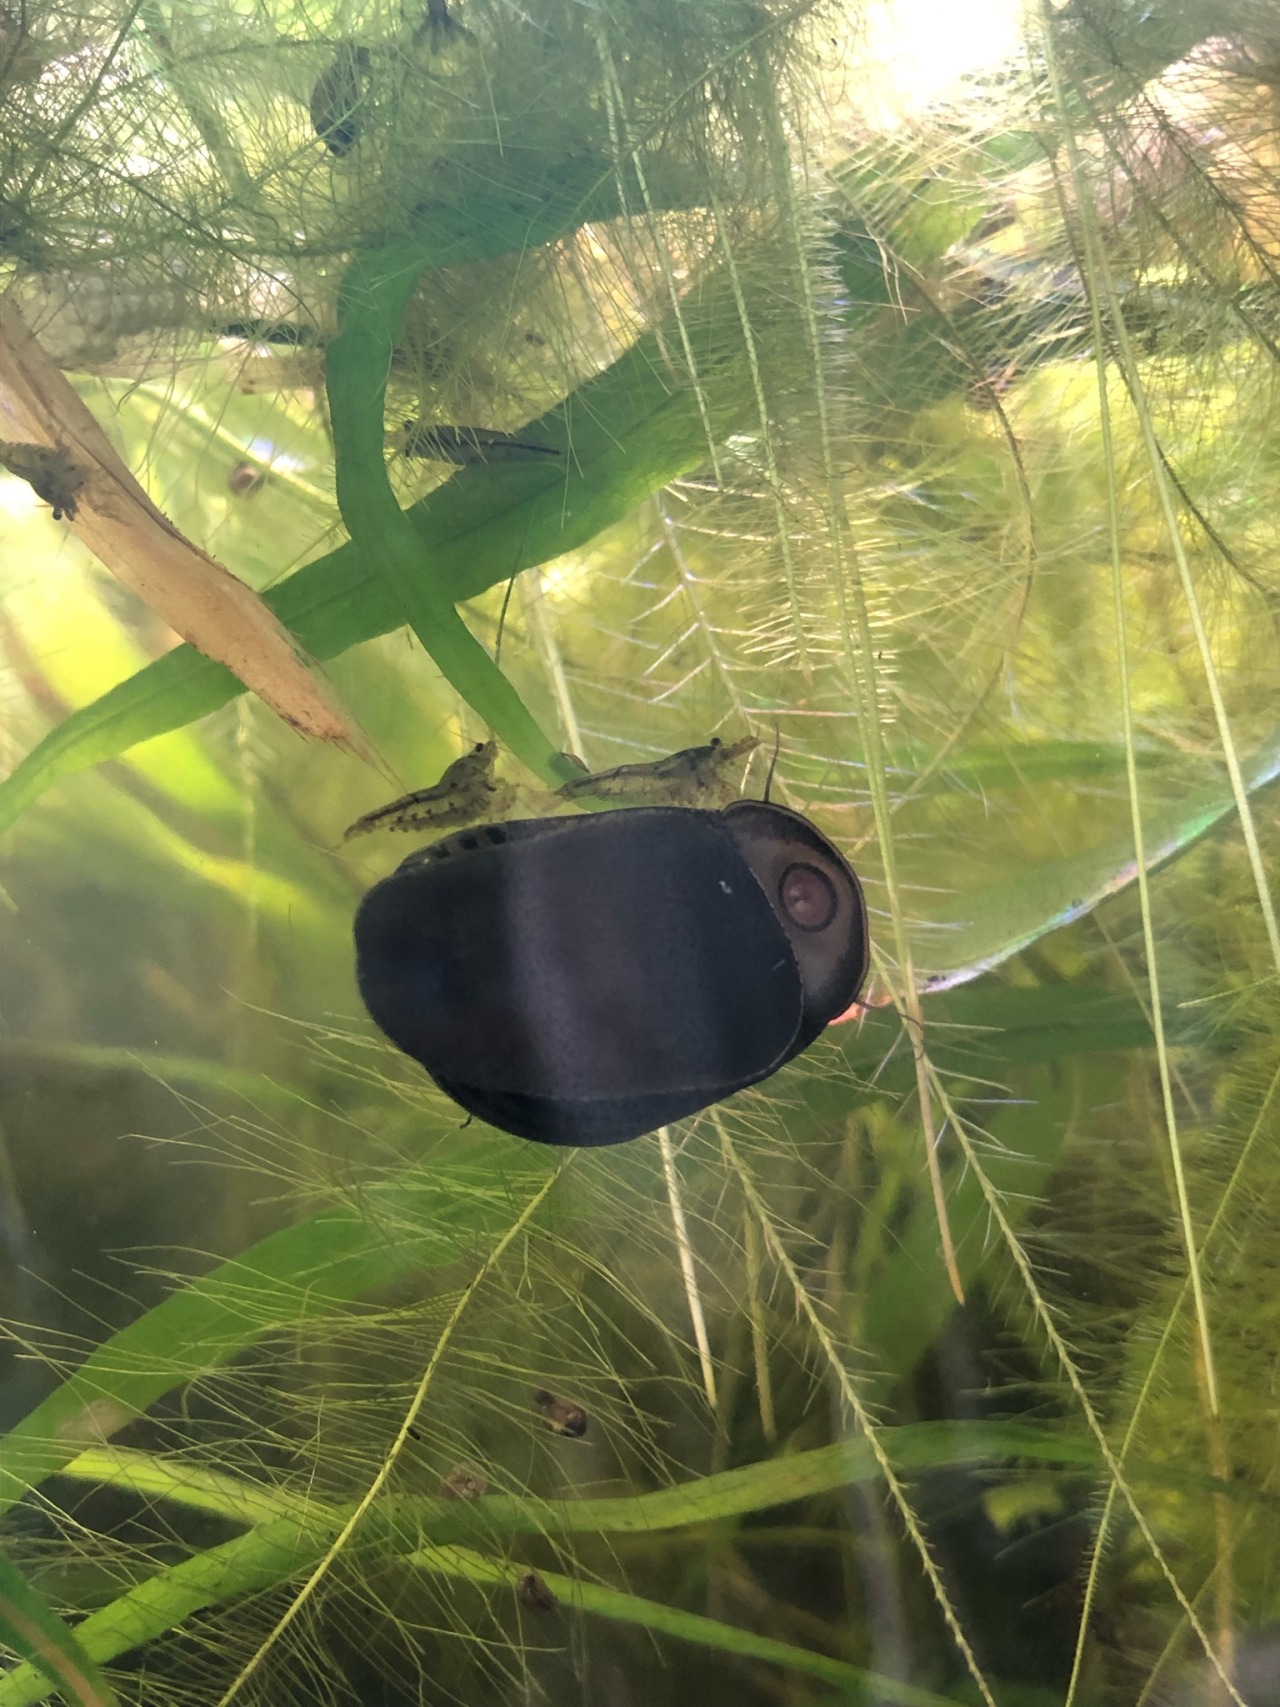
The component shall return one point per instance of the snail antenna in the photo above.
(773, 762)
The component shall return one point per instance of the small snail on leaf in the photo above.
(535, 1594)
(246, 480)
(583, 980)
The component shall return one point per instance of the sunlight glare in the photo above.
(915, 53)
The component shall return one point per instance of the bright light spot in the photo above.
(565, 576)
(16, 496)
(279, 461)
(912, 54)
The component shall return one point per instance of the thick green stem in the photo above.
(374, 296)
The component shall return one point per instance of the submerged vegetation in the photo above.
(939, 442)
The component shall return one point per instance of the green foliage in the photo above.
(943, 448)
(53, 1653)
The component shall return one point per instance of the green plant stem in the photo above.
(293, 1531)
(371, 305)
(52, 1651)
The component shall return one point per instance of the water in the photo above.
(937, 1364)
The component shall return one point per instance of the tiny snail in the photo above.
(463, 1483)
(583, 980)
(563, 1415)
(535, 1594)
(246, 479)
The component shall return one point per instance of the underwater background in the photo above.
(894, 384)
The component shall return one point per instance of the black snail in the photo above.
(583, 980)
